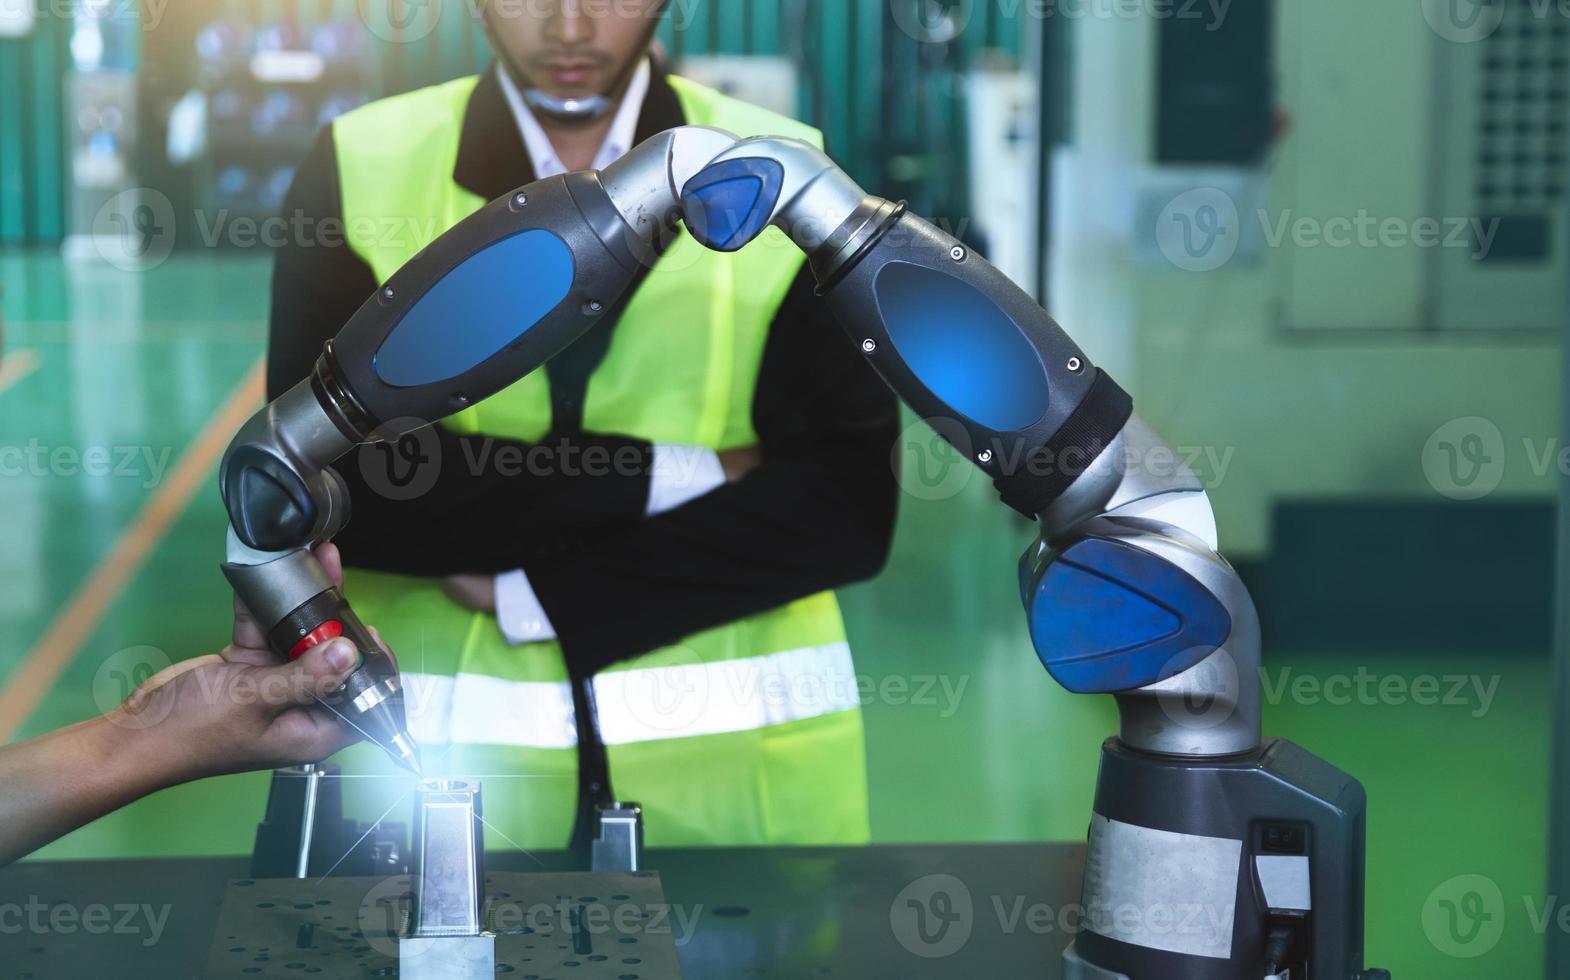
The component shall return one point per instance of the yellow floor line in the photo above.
(48, 659)
(16, 365)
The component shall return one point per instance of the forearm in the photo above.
(818, 514)
(493, 503)
(58, 782)
(789, 530)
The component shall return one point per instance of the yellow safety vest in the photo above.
(749, 733)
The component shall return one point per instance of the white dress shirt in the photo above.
(679, 473)
(624, 127)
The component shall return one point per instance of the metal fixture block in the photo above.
(447, 957)
(449, 856)
(446, 938)
(619, 846)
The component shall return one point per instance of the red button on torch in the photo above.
(321, 634)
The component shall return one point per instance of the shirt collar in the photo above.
(492, 159)
(617, 141)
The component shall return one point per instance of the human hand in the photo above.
(232, 712)
(210, 715)
(737, 463)
(476, 593)
(242, 709)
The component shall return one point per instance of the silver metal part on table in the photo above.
(619, 846)
(446, 938)
(313, 785)
(447, 957)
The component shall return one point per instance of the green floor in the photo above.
(969, 739)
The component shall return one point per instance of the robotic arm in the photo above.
(1124, 592)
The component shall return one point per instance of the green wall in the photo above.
(32, 159)
(1316, 414)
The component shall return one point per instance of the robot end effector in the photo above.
(283, 498)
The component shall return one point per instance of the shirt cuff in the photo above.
(681, 474)
(518, 611)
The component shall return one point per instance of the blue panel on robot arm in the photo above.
(471, 314)
(1106, 616)
(960, 344)
(729, 204)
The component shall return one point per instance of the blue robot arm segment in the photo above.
(1106, 616)
(464, 320)
(484, 304)
(728, 205)
(989, 372)
(953, 336)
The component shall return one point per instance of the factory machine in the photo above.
(1213, 853)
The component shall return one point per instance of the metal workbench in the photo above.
(907, 912)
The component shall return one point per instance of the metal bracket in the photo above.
(446, 938)
(304, 833)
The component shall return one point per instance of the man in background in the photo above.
(703, 467)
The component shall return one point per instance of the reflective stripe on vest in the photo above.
(635, 705)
